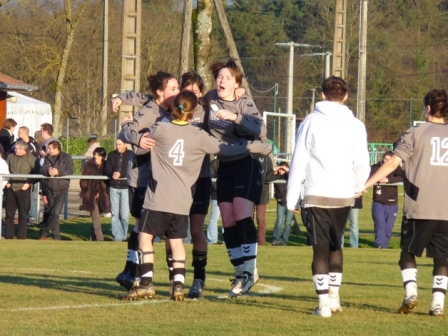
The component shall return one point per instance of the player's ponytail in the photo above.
(184, 105)
(437, 100)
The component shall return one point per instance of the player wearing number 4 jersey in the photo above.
(423, 150)
(176, 161)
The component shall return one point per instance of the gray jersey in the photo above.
(148, 114)
(248, 125)
(176, 161)
(423, 149)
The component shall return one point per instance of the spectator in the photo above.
(95, 198)
(385, 202)
(117, 167)
(38, 138)
(18, 190)
(353, 216)
(282, 228)
(7, 136)
(33, 146)
(46, 131)
(212, 227)
(93, 144)
(56, 164)
(260, 207)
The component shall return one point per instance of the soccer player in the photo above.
(239, 181)
(164, 88)
(176, 161)
(329, 166)
(423, 151)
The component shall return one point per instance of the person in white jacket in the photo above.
(328, 169)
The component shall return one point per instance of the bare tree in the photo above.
(202, 40)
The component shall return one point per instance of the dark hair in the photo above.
(191, 78)
(184, 105)
(388, 153)
(335, 88)
(47, 128)
(234, 69)
(55, 144)
(284, 164)
(9, 123)
(158, 81)
(438, 103)
(101, 151)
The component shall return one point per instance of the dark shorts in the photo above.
(160, 224)
(325, 225)
(201, 197)
(418, 234)
(239, 178)
(136, 199)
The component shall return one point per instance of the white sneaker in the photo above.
(323, 311)
(335, 305)
(237, 286)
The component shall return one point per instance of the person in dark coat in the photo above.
(33, 146)
(55, 163)
(7, 136)
(94, 194)
(116, 168)
(385, 202)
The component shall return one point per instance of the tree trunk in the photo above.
(185, 39)
(230, 41)
(202, 41)
(71, 25)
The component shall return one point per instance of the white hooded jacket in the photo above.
(331, 159)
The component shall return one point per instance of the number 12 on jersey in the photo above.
(177, 152)
(437, 158)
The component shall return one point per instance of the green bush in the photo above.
(77, 146)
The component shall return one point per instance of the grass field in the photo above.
(68, 288)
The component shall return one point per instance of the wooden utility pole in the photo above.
(185, 40)
(362, 64)
(339, 38)
(230, 41)
(131, 39)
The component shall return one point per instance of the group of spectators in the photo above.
(42, 154)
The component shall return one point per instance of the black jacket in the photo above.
(63, 162)
(33, 147)
(6, 139)
(113, 165)
(383, 193)
(279, 188)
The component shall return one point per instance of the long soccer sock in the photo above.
(440, 282)
(321, 284)
(199, 264)
(234, 250)
(169, 263)
(132, 254)
(248, 235)
(179, 276)
(147, 272)
(409, 276)
(335, 280)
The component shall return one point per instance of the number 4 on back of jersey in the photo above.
(177, 152)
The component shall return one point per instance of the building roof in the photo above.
(9, 83)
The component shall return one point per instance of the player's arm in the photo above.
(361, 162)
(387, 168)
(131, 98)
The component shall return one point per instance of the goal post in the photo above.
(281, 130)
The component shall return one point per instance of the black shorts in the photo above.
(239, 178)
(201, 197)
(325, 225)
(136, 199)
(418, 234)
(160, 224)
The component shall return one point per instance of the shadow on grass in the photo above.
(72, 284)
(75, 229)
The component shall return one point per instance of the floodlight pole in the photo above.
(291, 46)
